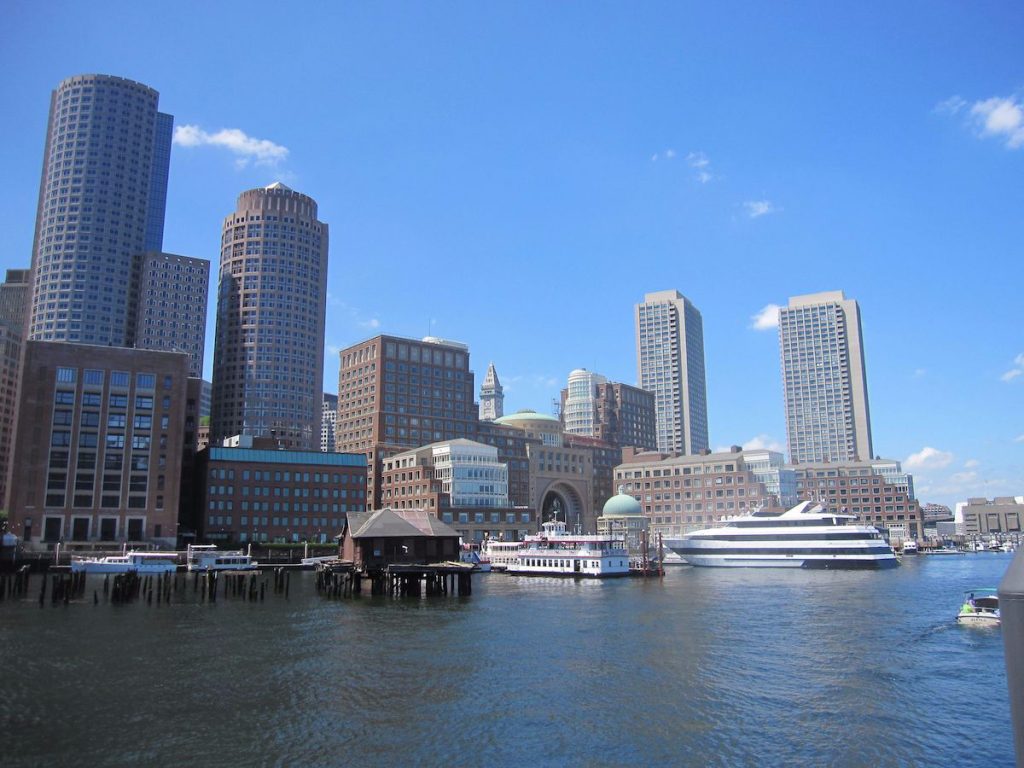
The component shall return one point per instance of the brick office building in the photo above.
(98, 445)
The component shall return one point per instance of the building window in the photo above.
(66, 375)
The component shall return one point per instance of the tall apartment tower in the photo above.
(670, 364)
(492, 396)
(269, 351)
(173, 293)
(101, 205)
(824, 379)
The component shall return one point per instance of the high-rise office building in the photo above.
(492, 396)
(15, 293)
(173, 292)
(101, 205)
(824, 379)
(328, 422)
(610, 411)
(269, 351)
(670, 364)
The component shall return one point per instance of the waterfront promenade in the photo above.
(707, 667)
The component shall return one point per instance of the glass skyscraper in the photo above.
(824, 379)
(670, 364)
(101, 205)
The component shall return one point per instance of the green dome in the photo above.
(525, 415)
(622, 504)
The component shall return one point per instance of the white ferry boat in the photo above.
(910, 547)
(206, 557)
(555, 552)
(140, 562)
(806, 536)
(501, 553)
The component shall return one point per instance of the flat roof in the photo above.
(269, 456)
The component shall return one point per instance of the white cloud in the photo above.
(373, 322)
(248, 148)
(972, 463)
(701, 166)
(1019, 439)
(950, 106)
(668, 154)
(764, 442)
(766, 319)
(928, 458)
(758, 208)
(1002, 118)
(1017, 370)
(920, 373)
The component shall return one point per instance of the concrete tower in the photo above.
(269, 350)
(670, 363)
(824, 379)
(101, 205)
(492, 396)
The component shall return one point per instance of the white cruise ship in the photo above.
(555, 552)
(806, 536)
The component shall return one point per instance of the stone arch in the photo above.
(569, 502)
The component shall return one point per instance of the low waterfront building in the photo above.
(996, 517)
(687, 492)
(463, 483)
(934, 513)
(98, 446)
(396, 537)
(878, 492)
(251, 491)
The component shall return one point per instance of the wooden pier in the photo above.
(341, 578)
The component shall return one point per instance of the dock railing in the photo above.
(1011, 609)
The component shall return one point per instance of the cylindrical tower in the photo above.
(101, 205)
(269, 351)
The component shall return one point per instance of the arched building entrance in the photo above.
(565, 501)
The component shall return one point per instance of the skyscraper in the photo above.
(101, 205)
(670, 363)
(492, 396)
(173, 293)
(269, 351)
(824, 379)
(15, 293)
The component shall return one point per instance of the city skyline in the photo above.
(620, 162)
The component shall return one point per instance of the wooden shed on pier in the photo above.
(373, 540)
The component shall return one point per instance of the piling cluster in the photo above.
(15, 584)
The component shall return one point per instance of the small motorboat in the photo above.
(980, 608)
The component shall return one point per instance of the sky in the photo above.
(516, 176)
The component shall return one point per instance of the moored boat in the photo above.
(909, 547)
(501, 553)
(806, 536)
(556, 552)
(475, 556)
(206, 557)
(139, 562)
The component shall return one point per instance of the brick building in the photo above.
(98, 445)
(252, 491)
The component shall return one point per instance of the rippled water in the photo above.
(708, 667)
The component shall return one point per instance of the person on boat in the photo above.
(968, 606)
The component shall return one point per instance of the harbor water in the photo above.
(718, 667)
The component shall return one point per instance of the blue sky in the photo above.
(516, 176)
